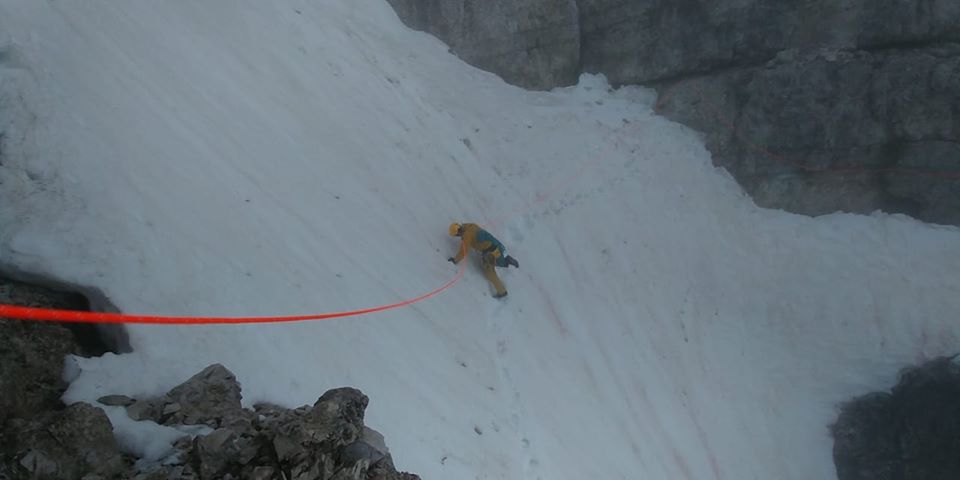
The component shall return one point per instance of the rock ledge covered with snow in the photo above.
(327, 440)
(41, 438)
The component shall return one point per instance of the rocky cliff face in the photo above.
(533, 44)
(814, 106)
(644, 41)
(829, 130)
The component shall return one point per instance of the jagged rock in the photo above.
(315, 467)
(31, 362)
(39, 465)
(171, 408)
(145, 410)
(67, 445)
(356, 471)
(370, 447)
(116, 400)
(306, 440)
(346, 406)
(32, 416)
(216, 452)
(31, 357)
(911, 433)
(32, 353)
(263, 473)
(360, 451)
(325, 441)
(206, 398)
(385, 471)
(287, 448)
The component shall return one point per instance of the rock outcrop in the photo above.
(32, 355)
(814, 107)
(832, 130)
(647, 41)
(75, 442)
(40, 438)
(533, 43)
(909, 433)
(211, 398)
(325, 441)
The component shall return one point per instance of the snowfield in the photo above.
(290, 157)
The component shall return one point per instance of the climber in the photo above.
(493, 254)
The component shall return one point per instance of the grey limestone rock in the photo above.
(68, 444)
(533, 43)
(207, 398)
(832, 130)
(327, 440)
(909, 433)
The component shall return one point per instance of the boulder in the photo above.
(69, 444)
(208, 398)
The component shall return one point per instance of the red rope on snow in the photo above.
(74, 316)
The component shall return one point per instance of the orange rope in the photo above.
(73, 316)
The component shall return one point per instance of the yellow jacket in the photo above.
(478, 239)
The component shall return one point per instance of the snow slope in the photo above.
(253, 158)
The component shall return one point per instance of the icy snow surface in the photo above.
(251, 158)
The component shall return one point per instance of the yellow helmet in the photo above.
(454, 230)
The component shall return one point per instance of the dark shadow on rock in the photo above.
(67, 444)
(39, 436)
(93, 339)
(909, 433)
